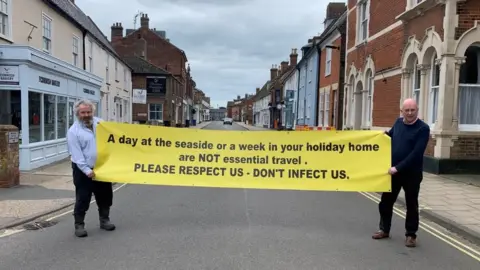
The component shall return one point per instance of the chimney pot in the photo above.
(144, 21)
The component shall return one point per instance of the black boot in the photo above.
(80, 226)
(104, 214)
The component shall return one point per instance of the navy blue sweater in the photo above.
(408, 145)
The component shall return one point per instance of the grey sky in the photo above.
(230, 44)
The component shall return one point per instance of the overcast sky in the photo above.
(230, 44)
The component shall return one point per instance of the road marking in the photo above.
(468, 250)
(9, 232)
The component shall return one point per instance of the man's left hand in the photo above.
(392, 171)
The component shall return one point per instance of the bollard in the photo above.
(9, 156)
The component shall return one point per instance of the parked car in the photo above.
(228, 121)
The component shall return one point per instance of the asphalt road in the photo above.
(228, 229)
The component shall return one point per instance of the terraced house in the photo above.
(49, 49)
(424, 49)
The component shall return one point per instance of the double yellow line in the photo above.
(468, 250)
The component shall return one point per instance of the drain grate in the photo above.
(39, 225)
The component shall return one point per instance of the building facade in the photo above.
(218, 114)
(261, 110)
(42, 76)
(307, 85)
(431, 56)
(152, 45)
(158, 94)
(290, 94)
(332, 67)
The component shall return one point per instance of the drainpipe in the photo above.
(297, 67)
(319, 52)
(83, 48)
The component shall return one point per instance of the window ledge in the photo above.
(7, 39)
(419, 9)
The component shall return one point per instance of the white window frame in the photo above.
(326, 117)
(161, 111)
(328, 62)
(116, 70)
(6, 19)
(363, 20)
(369, 98)
(49, 38)
(90, 55)
(335, 108)
(321, 112)
(75, 39)
(107, 68)
(417, 78)
(433, 93)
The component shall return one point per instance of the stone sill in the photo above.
(419, 10)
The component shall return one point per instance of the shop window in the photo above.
(71, 114)
(49, 117)
(34, 114)
(62, 115)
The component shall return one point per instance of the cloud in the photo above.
(230, 45)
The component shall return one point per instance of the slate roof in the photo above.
(78, 17)
(265, 91)
(142, 66)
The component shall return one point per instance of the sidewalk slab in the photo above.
(253, 128)
(201, 125)
(40, 192)
(452, 202)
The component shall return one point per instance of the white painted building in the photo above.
(43, 74)
(290, 91)
(261, 111)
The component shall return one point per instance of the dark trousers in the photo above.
(84, 188)
(411, 187)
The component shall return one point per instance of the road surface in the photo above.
(228, 229)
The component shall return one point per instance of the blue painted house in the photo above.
(307, 85)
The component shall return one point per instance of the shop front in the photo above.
(37, 94)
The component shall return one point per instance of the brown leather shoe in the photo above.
(410, 242)
(380, 235)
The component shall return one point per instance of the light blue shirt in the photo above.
(82, 145)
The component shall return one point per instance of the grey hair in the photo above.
(83, 102)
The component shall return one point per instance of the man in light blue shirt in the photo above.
(83, 151)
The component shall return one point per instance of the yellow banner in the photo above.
(330, 161)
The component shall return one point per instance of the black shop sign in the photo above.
(88, 91)
(156, 85)
(48, 81)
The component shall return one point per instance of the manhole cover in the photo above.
(38, 225)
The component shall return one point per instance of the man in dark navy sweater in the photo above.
(409, 136)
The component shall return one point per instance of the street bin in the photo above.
(194, 122)
(187, 123)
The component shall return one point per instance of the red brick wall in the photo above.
(173, 89)
(433, 17)
(386, 101)
(468, 12)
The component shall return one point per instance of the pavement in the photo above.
(164, 227)
(41, 192)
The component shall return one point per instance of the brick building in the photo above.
(230, 105)
(331, 71)
(152, 45)
(163, 93)
(425, 50)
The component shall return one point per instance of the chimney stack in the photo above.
(258, 90)
(284, 66)
(116, 32)
(238, 97)
(144, 21)
(273, 72)
(293, 57)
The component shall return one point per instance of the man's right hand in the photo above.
(91, 175)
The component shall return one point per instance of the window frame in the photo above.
(8, 29)
(46, 18)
